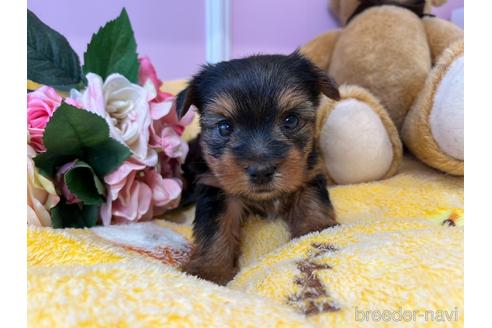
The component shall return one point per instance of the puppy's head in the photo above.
(257, 117)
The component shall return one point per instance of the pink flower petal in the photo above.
(147, 71)
(173, 145)
(159, 110)
(106, 210)
(92, 98)
(41, 105)
(133, 204)
(163, 190)
(73, 102)
(131, 164)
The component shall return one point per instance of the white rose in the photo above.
(125, 107)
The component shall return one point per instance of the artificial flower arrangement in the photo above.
(104, 143)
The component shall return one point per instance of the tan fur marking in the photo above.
(290, 98)
(216, 260)
(291, 175)
(307, 213)
(230, 175)
(222, 105)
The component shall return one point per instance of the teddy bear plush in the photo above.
(400, 72)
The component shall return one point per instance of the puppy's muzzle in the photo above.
(261, 174)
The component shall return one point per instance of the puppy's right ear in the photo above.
(184, 100)
(327, 85)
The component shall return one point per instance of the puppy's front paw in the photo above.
(331, 220)
(203, 268)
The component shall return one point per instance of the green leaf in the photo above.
(47, 162)
(74, 215)
(113, 50)
(50, 58)
(74, 133)
(107, 156)
(70, 130)
(83, 183)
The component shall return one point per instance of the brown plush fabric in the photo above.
(440, 34)
(416, 131)
(394, 69)
(319, 49)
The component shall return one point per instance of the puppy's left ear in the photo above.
(184, 100)
(327, 85)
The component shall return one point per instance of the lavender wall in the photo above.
(172, 32)
(277, 26)
(282, 25)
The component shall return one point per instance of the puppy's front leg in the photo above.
(216, 230)
(310, 209)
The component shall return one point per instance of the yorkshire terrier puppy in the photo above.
(256, 153)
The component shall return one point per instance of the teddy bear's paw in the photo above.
(358, 140)
(433, 129)
(447, 113)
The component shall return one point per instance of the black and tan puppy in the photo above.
(257, 153)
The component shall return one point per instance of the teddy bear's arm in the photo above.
(319, 49)
(440, 35)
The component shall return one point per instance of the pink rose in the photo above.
(137, 192)
(41, 105)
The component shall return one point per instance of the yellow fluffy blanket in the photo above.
(396, 260)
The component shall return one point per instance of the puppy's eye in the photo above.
(225, 128)
(291, 122)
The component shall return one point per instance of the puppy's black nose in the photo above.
(261, 174)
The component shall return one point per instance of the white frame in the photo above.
(217, 29)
